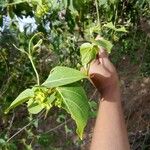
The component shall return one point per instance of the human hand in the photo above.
(103, 73)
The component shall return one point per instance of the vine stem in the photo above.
(30, 42)
(31, 59)
(97, 11)
(35, 70)
(29, 54)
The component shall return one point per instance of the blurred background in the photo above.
(65, 25)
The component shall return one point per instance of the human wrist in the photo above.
(111, 92)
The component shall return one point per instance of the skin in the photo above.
(110, 132)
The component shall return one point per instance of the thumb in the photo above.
(102, 53)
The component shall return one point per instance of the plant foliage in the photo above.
(42, 36)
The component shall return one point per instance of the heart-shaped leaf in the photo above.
(23, 97)
(88, 52)
(63, 75)
(76, 103)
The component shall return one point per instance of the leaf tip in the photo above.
(6, 111)
(80, 134)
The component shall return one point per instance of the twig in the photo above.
(19, 131)
(147, 133)
(11, 122)
(59, 126)
(94, 93)
(23, 128)
(21, 50)
(6, 88)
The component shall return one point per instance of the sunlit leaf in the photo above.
(34, 107)
(111, 26)
(76, 103)
(88, 52)
(63, 75)
(113, 1)
(122, 29)
(23, 97)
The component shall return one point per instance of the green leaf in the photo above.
(88, 52)
(78, 4)
(111, 26)
(51, 99)
(105, 44)
(63, 75)
(23, 97)
(102, 2)
(113, 1)
(76, 103)
(92, 29)
(2, 142)
(122, 29)
(37, 2)
(34, 107)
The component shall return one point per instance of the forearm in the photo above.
(110, 132)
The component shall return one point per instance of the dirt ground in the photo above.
(136, 102)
